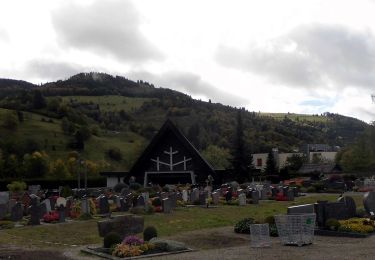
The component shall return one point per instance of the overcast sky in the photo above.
(270, 56)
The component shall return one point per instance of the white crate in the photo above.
(260, 235)
(296, 229)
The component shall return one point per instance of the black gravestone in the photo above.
(350, 205)
(17, 212)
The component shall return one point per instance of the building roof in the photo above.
(169, 128)
(320, 168)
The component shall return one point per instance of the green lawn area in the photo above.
(295, 117)
(181, 220)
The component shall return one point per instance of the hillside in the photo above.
(123, 114)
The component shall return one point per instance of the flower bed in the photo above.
(354, 227)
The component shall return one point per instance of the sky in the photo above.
(271, 56)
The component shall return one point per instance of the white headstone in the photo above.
(4, 197)
(184, 195)
(242, 199)
(47, 202)
(60, 201)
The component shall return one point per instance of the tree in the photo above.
(58, 169)
(10, 121)
(217, 156)
(295, 162)
(38, 100)
(271, 167)
(36, 164)
(79, 140)
(242, 158)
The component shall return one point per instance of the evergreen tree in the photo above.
(242, 158)
(38, 100)
(271, 167)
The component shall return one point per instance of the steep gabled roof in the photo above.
(168, 127)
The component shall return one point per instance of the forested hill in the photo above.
(119, 116)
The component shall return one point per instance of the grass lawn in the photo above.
(181, 220)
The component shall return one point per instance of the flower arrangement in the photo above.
(51, 216)
(359, 225)
(132, 246)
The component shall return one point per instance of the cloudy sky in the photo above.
(270, 56)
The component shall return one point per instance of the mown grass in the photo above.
(181, 220)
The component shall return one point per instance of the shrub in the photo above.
(119, 186)
(332, 224)
(149, 232)
(17, 186)
(111, 239)
(150, 209)
(66, 192)
(273, 230)
(243, 226)
(156, 202)
(5, 224)
(360, 213)
(358, 225)
(311, 189)
(270, 220)
(135, 186)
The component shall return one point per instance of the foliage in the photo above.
(17, 186)
(149, 232)
(273, 230)
(217, 156)
(156, 202)
(36, 164)
(66, 192)
(133, 241)
(359, 225)
(270, 220)
(6, 224)
(119, 186)
(85, 216)
(271, 167)
(243, 226)
(10, 121)
(332, 224)
(58, 169)
(135, 186)
(111, 239)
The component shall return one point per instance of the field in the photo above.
(180, 221)
(296, 117)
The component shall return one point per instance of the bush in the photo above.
(273, 230)
(332, 224)
(270, 220)
(311, 189)
(17, 186)
(156, 202)
(150, 209)
(66, 192)
(111, 239)
(135, 186)
(149, 232)
(119, 186)
(137, 211)
(5, 224)
(243, 226)
(361, 213)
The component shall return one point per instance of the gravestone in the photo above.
(290, 195)
(301, 209)
(140, 202)
(350, 205)
(52, 201)
(85, 206)
(179, 196)
(116, 198)
(103, 205)
(215, 198)
(17, 212)
(125, 192)
(68, 208)
(173, 198)
(255, 197)
(326, 210)
(240, 191)
(194, 195)
(166, 205)
(122, 225)
(274, 192)
(202, 198)
(47, 204)
(3, 210)
(242, 199)
(295, 191)
(60, 201)
(34, 189)
(263, 194)
(285, 190)
(4, 197)
(228, 195)
(369, 202)
(26, 202)
(61, 211)
(11, 204)
(123, 204)
(35, 212)
(163, 195)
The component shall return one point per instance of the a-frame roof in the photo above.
(169, 128)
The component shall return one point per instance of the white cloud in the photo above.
(104, 27)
